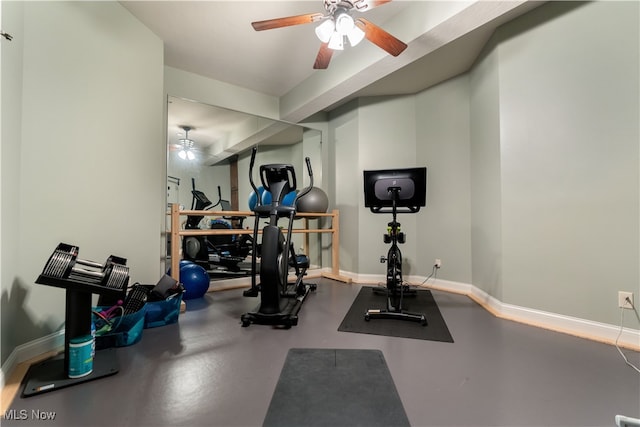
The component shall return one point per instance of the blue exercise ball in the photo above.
(286, 201)
(195, 280)
(183, 262)
(253, 199)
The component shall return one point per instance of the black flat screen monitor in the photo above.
(412, 193)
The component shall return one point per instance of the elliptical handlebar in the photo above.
(309, 171)
(291, 175)
(283, 173)
(253, 185)
(199, 198)
(310, 186)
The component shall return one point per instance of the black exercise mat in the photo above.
(334, 388)
(423, 302)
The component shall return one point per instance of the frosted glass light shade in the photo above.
(325, 30)
(355, 36)
(344, 23)
(337, 41)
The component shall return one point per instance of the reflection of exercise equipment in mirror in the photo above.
(395, 191)
(280, 301)
(332, 218)
(226, 251)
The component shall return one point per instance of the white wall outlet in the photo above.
(622, 299)
(438, 263)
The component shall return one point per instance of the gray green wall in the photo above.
(346, 190)
(82, 151)
(443, 134)
(533, 159)
(486, 212)
(569, 158)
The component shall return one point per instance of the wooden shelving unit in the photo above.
(177, 232)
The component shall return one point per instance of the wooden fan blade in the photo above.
(380, 37)
(286, 22)
(323, 58)
(363, 5)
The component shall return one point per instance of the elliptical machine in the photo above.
(280, 301)
(225, 251)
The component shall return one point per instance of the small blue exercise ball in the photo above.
(253, 199)
(195, 280)
(286, 201)
(183, 262)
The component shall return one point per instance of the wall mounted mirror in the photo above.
(205, 141)
(209, 147)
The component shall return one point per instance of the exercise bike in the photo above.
(225, 251)
(385, 192)
(280, 301)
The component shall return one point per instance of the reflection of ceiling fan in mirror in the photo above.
(185, 146)
(339, 24)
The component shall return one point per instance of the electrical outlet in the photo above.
(622, 299)
(438, 263)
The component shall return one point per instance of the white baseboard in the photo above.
(29, 350)
(364, 278)
(589, 329)
(596, 331)
(224, 284)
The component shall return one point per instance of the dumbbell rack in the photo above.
(79, 285)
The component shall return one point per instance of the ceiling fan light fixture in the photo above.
(325, 30)
(337, 41)
(340, 25)
(344, 23)
(355, 36)
(187, 144)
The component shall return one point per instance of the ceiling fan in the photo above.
(185, 145)
(339, 24)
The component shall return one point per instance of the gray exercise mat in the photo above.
(423, 302)
(335, 387)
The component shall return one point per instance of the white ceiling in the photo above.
(215, 39)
